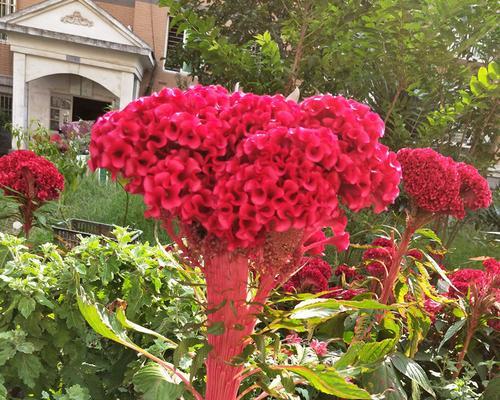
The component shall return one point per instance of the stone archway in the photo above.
(55, 99)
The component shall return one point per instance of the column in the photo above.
(19, 97)
(126, 89)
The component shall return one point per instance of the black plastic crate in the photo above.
(67, 233)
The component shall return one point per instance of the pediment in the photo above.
(75, 17)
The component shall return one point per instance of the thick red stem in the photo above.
(227, 296)
(471, 330)
(395, 267)
(414, 221)
(27, 214)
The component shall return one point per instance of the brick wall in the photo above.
(123, 13)
(5, 60)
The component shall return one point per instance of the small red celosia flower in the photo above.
(463, 279)
(438, 184)
(339, 293)
(433, 308)
(350, 273)
(35, 178)
(320, 348)
(312, 278)
(378, 260)
(416, 254)
(293, 338)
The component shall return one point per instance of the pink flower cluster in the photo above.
(378, 259)
(61, 144)
(349, 273)
(484, 289)
(242, 165)
(438, 184)
(311, 278)
(22, 172)
(463, 279)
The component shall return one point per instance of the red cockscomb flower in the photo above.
(438, 184)
(31, 180)
(311, 278)
(247, 177)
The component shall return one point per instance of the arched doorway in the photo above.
(60, 98)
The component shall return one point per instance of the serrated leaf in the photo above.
(412, 370)
(183, 348)
(374, 352)
(328, 381)
(157, 384)
(28, 368)
(199, 359)
(76, 392)
(7, 351)
(26, 306)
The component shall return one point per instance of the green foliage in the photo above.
(155, 383)
(45, 343)
(412, 61)
(68, 161)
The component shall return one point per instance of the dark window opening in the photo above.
(5, 118)
(88, 110)
(175, 41)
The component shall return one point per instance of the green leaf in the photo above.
(76, 392)
(452, 331)
(384, 379)
(7, 351)
(217, 328)
(26, 306)
(157, 384)
(418, 325)
(413, 371)
(328, 381)
(183, 348)
(429, 234)
(102, 321)
(482, 76)
(326, 308)
(199, 359)
(374, 352)
(492, 390)
(28, 368)
(120, 315)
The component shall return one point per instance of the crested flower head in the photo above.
(239, 167)
(438, 184)
(311, 278)
(34, 178)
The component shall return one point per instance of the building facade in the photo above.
(65, 60)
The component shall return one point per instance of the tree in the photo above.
(407, 59)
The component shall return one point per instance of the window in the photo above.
(6, 106)
(60, 111)
(6, 7)
(174, 44)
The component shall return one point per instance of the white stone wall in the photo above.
(40, 90)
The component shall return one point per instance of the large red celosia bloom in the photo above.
(32, 180)
(249, 180)
(438, 184)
